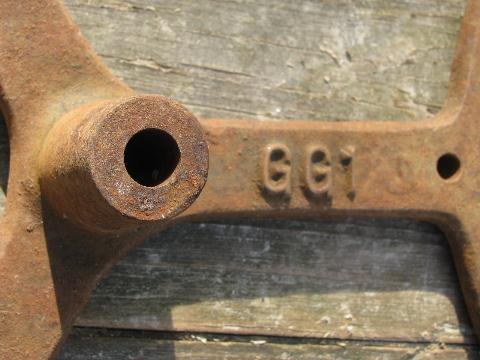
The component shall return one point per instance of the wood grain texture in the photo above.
(92, 346)
(330, 59)
(356, 281)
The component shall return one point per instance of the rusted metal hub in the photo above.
(95, 168)
(115, 165)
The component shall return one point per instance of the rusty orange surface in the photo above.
(95, 168)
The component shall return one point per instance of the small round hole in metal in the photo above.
(151, 156)
(448, 166)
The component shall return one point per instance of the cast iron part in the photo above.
(95, 169)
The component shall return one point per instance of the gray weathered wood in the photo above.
(85, 347)
(362, 280)
(330, 59)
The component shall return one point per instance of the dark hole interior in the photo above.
(277, 155)
(278, 176)
(318, 157)
(151, 156)
(448, 166)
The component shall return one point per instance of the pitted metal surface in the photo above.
(96, 168)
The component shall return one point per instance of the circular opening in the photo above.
(277, 155)
(151, 156)
(448, 166)
(318, 157)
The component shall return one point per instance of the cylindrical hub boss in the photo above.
(117, 164)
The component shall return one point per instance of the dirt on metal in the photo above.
(96, 168)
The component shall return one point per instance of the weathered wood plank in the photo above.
(87, 347)
(331, 59)
(360, 280)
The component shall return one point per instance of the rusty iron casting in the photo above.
(95, 168)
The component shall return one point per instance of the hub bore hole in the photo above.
(151, 156)
(448, 166)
